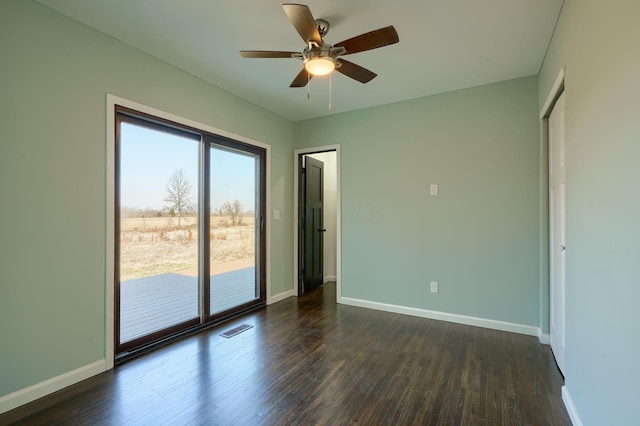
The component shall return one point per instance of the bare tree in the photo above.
(234, 210)
(178, 194)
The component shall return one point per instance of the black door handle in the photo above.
(322, 230)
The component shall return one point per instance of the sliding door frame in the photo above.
(211, 137)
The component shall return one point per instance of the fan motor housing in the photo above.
(313, 51)
(323, 27)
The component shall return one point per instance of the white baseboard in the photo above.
(544, 338)
(279, 297)
(444, 316)
(571, 409)
(329, 278)
(26, 395)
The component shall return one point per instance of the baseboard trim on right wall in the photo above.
(571, 409)
(529, 330)
(544, 338)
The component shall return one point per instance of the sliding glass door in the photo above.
(189, 229)
(235, 226)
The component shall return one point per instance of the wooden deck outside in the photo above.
(152, 303)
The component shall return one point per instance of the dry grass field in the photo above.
(153, 246)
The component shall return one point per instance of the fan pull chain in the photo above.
(308, 86)
(330, 87)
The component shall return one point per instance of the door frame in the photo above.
(557, 242)
(555, 91)
(111, 102)
(296, 164)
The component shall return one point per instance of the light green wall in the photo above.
(54, 75)
(479, 238)
(597, 41)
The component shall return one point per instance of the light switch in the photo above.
(276, 215)
(433, 189)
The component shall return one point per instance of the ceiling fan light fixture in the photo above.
(320, 66)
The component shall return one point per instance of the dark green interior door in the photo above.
(313, 226)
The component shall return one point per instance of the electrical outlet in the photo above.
(433, 189)
(434, 286)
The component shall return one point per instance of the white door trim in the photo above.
(296, 158)
(545, 302)
(554, 93)
(557, 226)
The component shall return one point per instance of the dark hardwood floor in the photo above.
(308, 361)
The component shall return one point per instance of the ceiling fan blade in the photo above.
(303, 21)
(301, 79)
(266, 54)
(356, 72)
(371, 40)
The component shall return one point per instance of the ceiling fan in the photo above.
(320, 58)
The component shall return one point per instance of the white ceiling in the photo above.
(444, 45)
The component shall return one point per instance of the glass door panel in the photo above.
(234, 225)
(158, 231)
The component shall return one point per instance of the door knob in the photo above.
(562, 248)
(322, 230)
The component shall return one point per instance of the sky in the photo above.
(148, 158)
